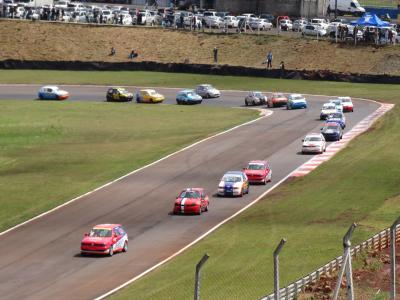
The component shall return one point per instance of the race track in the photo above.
(41, 260)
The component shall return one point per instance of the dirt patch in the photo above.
(371, 276)
(25, 40)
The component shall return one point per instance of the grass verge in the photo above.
(51, 152)
(387, 92)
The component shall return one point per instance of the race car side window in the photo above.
(116, 231)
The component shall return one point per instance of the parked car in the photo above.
(51, 92)
(296, 101)
(233, 183)
(285, 24)
(314, 30)
(326, 110)
(191, 201)
(258, 171)
(260, 24)
(207, 91)
(231, 21)
(188, 97)
(105, 239)
(299, 24)
(313, 143)
(118, 94)
(332, 131)
(149, 96)
(277, 99)
(319, 23)
(347, 104)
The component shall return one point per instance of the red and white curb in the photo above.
(335, 147)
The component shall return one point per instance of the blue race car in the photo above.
(337, 117)
(332, 131)
(188, 97)
(296, 101)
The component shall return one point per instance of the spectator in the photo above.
(269, 60)
(112, 52)
(215, 52)
(133, 54)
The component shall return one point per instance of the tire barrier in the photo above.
(208, 69)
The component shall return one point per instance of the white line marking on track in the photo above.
(266, 113)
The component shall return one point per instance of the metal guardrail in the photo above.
(378, 242)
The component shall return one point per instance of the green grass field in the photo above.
(361, 184)
(53, 151)
(376, 91)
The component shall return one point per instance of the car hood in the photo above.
(312, 143)
(298, 101)
(328, 111)
(187, 201)
(254, 172)
(234, 184)
(104, 240)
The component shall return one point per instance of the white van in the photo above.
(346, 7)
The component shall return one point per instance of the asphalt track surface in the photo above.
(41, 260)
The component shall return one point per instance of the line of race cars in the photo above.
(332, 130)
(111, 238)
(120, 94)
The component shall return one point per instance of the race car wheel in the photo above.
(265, 180)
(111, 251)
(200, 211)
(125, 249)
(246, 103)
(208, 96)
(206, 209)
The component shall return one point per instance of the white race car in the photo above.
(207, 91)
(233, 183)
(347, 104)
(326, 110)
(313, 143)
(338, 103)
(50, 92)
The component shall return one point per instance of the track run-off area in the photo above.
(41, 258)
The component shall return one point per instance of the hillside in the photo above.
(25, 40)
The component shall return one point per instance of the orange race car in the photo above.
(277, 99)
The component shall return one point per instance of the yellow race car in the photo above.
(118, 94)
(149, 96)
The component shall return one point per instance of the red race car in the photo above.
(105, 239)
(258, 171)
(191, 201)
(277, 99)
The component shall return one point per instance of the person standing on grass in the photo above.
(215, 52)
(269, 60)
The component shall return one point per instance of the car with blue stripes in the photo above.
(233, 183)
(296, 101)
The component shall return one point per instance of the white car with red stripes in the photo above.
(313, 143)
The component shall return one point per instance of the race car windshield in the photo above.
(258, 94)
(189, 194)
(256, 167)
(297, 98)
(279, 96)
(329, 107)
(100, 232)
(312, 139)
(231, 179)
(331, 127)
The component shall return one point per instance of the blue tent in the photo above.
(370, 20)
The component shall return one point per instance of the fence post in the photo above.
(276, 269)
(346, 266)
(197, 276)
(393, 259)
